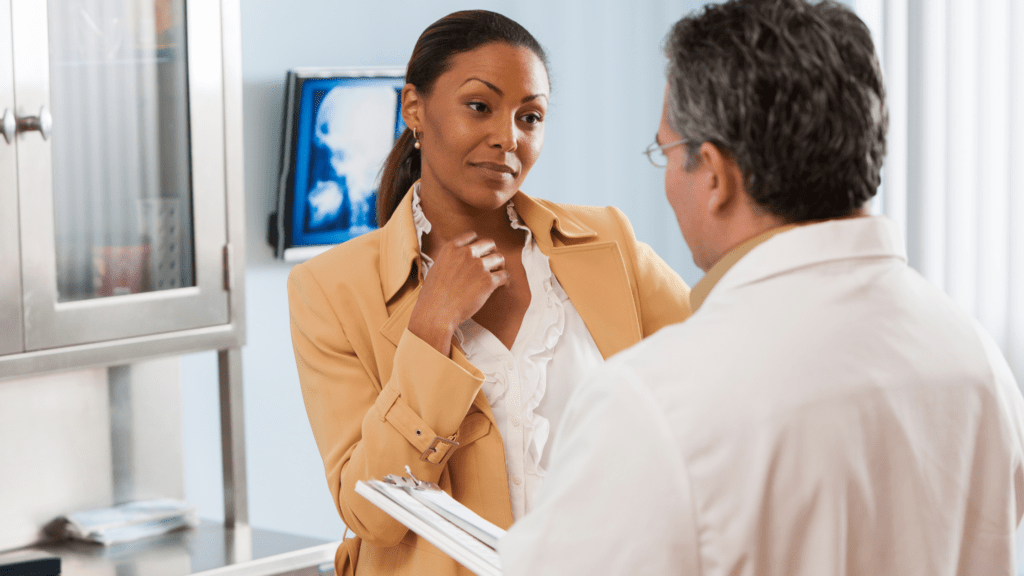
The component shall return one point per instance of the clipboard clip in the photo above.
(410, 483)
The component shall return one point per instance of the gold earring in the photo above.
(416, 136)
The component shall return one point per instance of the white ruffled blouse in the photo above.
(553, 346)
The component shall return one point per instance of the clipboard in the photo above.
(430, 512)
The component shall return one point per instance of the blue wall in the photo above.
(607, 76)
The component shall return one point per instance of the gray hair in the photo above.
(792, 92)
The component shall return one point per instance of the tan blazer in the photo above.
(377, 396)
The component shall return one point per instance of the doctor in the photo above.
(837, 414)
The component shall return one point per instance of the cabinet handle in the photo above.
(43, 123)
(8, 126)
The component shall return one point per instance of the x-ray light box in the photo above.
(339, 126)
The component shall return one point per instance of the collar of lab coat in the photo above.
(703, 288)
(811, 244)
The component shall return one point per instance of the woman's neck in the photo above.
(450, 217)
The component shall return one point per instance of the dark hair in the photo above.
(454, 34)
(792, 92)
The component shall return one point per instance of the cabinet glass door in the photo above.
(10, 259)
(121, 188)
(124, 231)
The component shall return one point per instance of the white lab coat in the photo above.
(825, 412)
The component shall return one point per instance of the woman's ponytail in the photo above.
(401, 170)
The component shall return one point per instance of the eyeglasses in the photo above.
(656, 152)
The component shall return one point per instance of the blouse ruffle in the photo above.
(538, 351)
(534, 348)
(423, 227)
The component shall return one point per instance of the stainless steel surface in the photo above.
(43, 123)
(229, 359)
(121, 431)
(239, 546)
(8, 126)
(94, 334)
(54, 451)
(227, 267)
(234, 170)
(119, 351)
(49, 323)
(232, 437)
(35, 203)
(146, 430)
(10, 247)
(88, 438)
(211, 549)
(207, 109)
(82, 335)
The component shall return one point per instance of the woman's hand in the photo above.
(465, 273)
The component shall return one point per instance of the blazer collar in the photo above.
(400, 249)
(575, 260)
(545, 219)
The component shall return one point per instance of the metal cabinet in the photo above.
(121, 232)
(10, 259)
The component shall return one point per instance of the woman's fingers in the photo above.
(493, 261)
(464, 238)
(482, 248)
(458, 286)
(500, 277)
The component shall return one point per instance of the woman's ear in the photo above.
(411, 107)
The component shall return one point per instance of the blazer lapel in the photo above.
(399, 249)
(592, 273)
(594, 276)
(398, 321)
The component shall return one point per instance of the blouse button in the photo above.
(517, 480)
(515, 421)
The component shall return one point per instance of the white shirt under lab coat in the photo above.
(826, 411)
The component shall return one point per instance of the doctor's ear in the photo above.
(411, 107)
(725, 179)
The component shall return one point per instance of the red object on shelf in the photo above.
(119, 270)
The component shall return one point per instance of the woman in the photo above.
(449, 339)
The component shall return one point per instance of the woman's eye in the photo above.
(532, 118)
(478, 106)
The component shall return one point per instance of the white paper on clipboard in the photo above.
(439, 519)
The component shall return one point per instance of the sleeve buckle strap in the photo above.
(446, 449)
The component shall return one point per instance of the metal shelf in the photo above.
(210, 549)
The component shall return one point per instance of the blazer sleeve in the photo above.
(661, 295)
(362, 431)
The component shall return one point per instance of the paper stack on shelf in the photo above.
(439, 519)
(131, 521)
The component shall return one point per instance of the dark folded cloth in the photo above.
(29, 563)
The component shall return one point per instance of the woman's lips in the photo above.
(501, 169)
